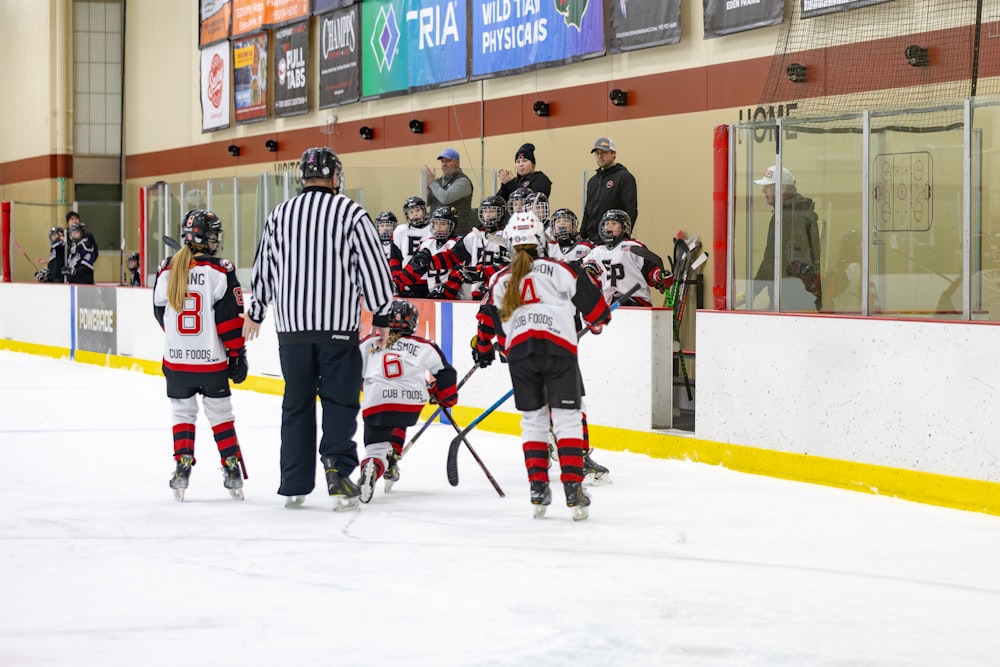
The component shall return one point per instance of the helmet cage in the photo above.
(414, 205)
(565, 225)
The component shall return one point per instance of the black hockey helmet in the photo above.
(418, 208)
(615, 215)
(200, 229)
(58, 232)
(449, 215)
(321, 162)
(134, 257)
(78, 227)
(493, 213)
(516, 201)
(385, 223)
(402, 317)
(565, 225)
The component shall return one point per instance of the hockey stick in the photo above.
(678, 316)
(25, 253)
(171, 242)
(452, 465)
(452, 462)
(430, 420)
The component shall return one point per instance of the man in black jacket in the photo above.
(613, 186)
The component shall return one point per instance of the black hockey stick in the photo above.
(171, 242)
(434, 416)
(453, 463)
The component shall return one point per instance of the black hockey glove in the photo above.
(483, 358)
(471, 274)
(421, 260)
(238, 367)
(42, 276)
(68, 270)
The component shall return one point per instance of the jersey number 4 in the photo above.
(528, 292)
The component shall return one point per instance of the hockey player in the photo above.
(135, 278)
(538, 204)
(407, 239)
(619, 268)
(198, 303)
(475, 257)
(516, 202)
(82, 255)
(532, 308)
(418, 271)
(566, 244)
(396, 390)
(53, 273)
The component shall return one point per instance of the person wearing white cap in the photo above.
(612, 187)
(801, 288)
(453, 188)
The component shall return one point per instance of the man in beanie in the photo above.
(611, 187)
(453, 189)
(524, 175)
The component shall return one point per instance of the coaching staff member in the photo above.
(611, 186)
(318, 254)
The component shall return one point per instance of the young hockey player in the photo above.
(135, 279)
(396, 390)
(198, 302)
(619, 268)
(82, 255)
(418, 272)
(532, 308)
(475, 257)
(516, 202)
(407, 239)
(567, 246)
(385, 223)
(53, 273)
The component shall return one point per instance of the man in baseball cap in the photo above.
(452, 188)
(605, 145)
(449, 154)
(770, 179)
(612, 186)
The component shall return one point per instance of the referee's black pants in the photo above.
(334, 373)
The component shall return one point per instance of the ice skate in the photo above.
(391, 474)
(577, 500)
(371, 470)
(179, 481)
(294, 502)
(541, 498)
(343, 492)
(594, 473)
(232, 477)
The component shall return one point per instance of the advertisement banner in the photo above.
(412, 44)
(96, 326)
(291, 46)
(283, 12)
(639, 24)
(725, 17)
(250, 78)
(214, 19)
(812, 8)
(339, 57)
(214, 84)
(248, 16)
(512, 35)
(324, 6)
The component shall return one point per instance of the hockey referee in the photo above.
(319, 254)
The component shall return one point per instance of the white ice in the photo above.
(679, 564)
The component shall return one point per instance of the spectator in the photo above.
(613, 186)
(53, 273)
(82, 254)
(198, 303)
(453, 189)
(524, 175)
(135, 278)
(800, 281)
(318, 255)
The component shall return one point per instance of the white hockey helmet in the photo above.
(525, 228)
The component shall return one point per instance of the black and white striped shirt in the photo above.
(318, 255)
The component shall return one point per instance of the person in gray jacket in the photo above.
(453, 188)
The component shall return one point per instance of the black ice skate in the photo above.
(391, 474)
(179, 481)
(232, 477)
(343, 492)
(577, 500)
(541, 498)
(594, 473)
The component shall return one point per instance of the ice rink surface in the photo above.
(679, 564)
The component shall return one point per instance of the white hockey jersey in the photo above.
(434, 277)
(408, 239)
(395, 379)
(570, 253)
(198, 339)
(621, 270)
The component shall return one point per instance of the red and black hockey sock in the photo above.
(571, 453)
(536, 460)
(225, 438)
(184, 441)
(397, 439)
